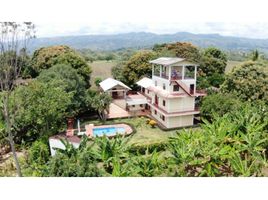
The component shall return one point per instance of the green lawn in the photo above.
(144, 133)
(101, 69)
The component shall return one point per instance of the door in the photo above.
(192, 89)
(156, 100)
(114, 94)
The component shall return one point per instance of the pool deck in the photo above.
(70, 136)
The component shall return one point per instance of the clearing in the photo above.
(231, 64)
(102, 69)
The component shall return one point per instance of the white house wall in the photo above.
(149, 93)
(169, 87)
(180, 121)
(56, 143)
(181, 104)
(160, 82)
(157, 117)
(121, 91)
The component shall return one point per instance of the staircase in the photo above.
(184, 87)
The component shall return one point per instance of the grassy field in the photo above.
(231, 64)
(101, 69)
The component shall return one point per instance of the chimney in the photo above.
(70, 127)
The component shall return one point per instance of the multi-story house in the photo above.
(171, 92)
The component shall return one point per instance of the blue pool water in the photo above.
(109, 131)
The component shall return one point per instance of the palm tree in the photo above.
(101, 103)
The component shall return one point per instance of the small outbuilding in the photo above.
(115, 88)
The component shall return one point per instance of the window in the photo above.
(141, 105)
(176, 88)
(155, 112)
(133, 106)
(148, 91)
(164, 103)
(155, 83)
(163, 117)
(164, 86)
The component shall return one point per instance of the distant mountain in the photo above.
(145, 40)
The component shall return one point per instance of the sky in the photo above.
(249, 30)
(243, 18)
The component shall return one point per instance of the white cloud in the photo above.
(251, 30)
(70, 17)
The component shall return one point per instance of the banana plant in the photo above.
(245, 167)
(122, 168)
(107, 149)
(148, 165)
(71, 150)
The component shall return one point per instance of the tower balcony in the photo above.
(183, 72)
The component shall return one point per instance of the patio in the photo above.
(117, 112)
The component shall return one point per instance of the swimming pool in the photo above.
(109, 131)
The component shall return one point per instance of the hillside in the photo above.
(143, 40)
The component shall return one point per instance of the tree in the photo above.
(179, 49)
(100, 102)
(117, 71)
(212, 67)
(14, 39)
(46, 57)
(97, 81)
(109, 57)
(67, 78)
(38, 109)
(255, 55)
(137, 67)
(248, 81)
(219, 104)
(213, 61)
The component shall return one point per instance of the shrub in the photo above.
(150, 148)
(152, 123)
(38, 153)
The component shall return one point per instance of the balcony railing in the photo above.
(196, 109)
(165, 76)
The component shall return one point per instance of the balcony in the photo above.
(195, 111)
(175, 72)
